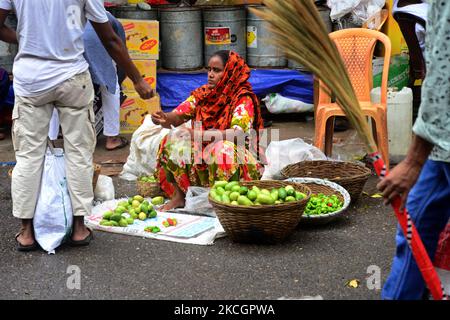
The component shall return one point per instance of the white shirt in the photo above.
(50, 35)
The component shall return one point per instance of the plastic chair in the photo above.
(356, 47)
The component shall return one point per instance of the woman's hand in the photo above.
(161, 118)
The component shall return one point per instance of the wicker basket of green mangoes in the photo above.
(259, 211)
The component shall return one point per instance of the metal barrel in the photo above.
(325, 14)
(225, 29)
(260, 52)
(8, 51)
(133, 12)
(181, 38)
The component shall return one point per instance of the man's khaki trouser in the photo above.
(31, 117)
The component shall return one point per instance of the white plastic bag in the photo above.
(282, 153)
(360, 10)
(53, 216)
(104, 190)
(143, 150)
(197, 203)
(276, 103)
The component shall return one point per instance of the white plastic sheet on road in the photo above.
(191, 229)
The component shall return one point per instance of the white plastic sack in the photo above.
(282, 153)
(197, 203)
(53, 216)
(361, 10)
(104, 190)
(276, 103)
(143, 150)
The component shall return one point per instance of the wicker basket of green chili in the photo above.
(328, 201)
(255, 216)
(351, 176)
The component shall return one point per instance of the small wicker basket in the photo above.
(262, 224)
(149, 189)
(327, 188)
(349, 175)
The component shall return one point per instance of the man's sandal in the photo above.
(81, 243)
(123, 143)
(21, 247)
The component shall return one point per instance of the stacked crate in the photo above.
(143, 46)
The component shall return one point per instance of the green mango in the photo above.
(120, 210)
(142, 216)
(116, 217)
(144, 208)
(244, 201)
(107, 215)
(243, 190)
(282, 194)
(220, 191)
(104, 222)
(252, 195)
(274, 194)
(157, 201)
(153, 214)
(234, 203)
(123, 204)
(299, 195)
(230, 185)
(130, 220)
(234, 196)
(226, 199)
(114, 223)
(290, 199)
(221, 184)
(265, 199)
(236, 188)
(123, 223)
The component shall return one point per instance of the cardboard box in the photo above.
(133, 111)
(142, 38)
(147, 69)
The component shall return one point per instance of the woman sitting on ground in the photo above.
(225, 109)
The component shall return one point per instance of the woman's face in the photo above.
(215, 71)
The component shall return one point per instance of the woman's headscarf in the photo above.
(215, 106)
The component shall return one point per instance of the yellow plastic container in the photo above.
(392, 30)
(134, 1)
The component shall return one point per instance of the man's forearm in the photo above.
(8, 35)
(419, 151)
(119, 54)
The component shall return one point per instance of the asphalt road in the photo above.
(315, 261)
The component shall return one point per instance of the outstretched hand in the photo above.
(159, 117)
(143, 89)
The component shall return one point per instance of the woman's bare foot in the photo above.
(2, 136)
(178, 200)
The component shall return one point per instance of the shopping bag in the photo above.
(53, 215)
